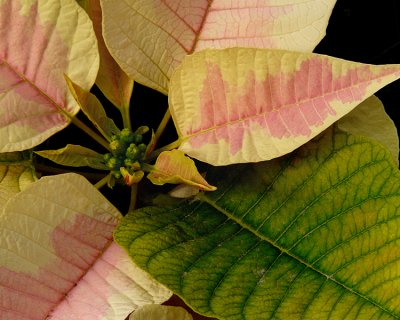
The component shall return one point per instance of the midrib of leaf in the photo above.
(203, 22)
(229, 214)
(41, 92)
(291, 105)
(180, 18)
(82, 276)
(120, 93)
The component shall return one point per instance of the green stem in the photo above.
(90, 132)
(126, 117)
(101, 183)
(147, 167)
(168, 147)
(161, 127)
(132, 204)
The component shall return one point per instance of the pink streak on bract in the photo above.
(78, 244)
(33, 58)
(24, 296)
(285, 105)
(88, 300)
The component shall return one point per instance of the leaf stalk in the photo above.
(90, 132)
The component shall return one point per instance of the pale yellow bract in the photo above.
(150, 38)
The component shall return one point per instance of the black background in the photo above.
(368, 32)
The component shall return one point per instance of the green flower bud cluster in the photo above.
(127, 151)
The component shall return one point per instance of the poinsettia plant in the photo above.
(278, 199)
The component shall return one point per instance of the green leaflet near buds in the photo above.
(142, 130)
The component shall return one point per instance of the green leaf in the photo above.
(312, 235)
(370, 119)
(75, 156)
(158, 312)
(15, 157)
(93, 109)
(83, 3)
(16, 173)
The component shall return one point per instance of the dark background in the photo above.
(368, 32)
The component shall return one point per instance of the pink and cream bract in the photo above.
(58, 259)
(248, 105)
(40, 42)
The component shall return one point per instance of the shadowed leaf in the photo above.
(16, 173)
(158, 312)
(75, 156)
(112, 81)
(93, 109)
(370, 119)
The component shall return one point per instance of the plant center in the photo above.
(127, 154)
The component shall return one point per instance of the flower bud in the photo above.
(112, 163)
(142, 130)
(142, 147)
(132, 152)
(116, 174)
(131, 178)
(115, 137)
(107, 157)
(116, 147)
(128, 162)
(137, 138)
(136, 166)
(127, 136)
